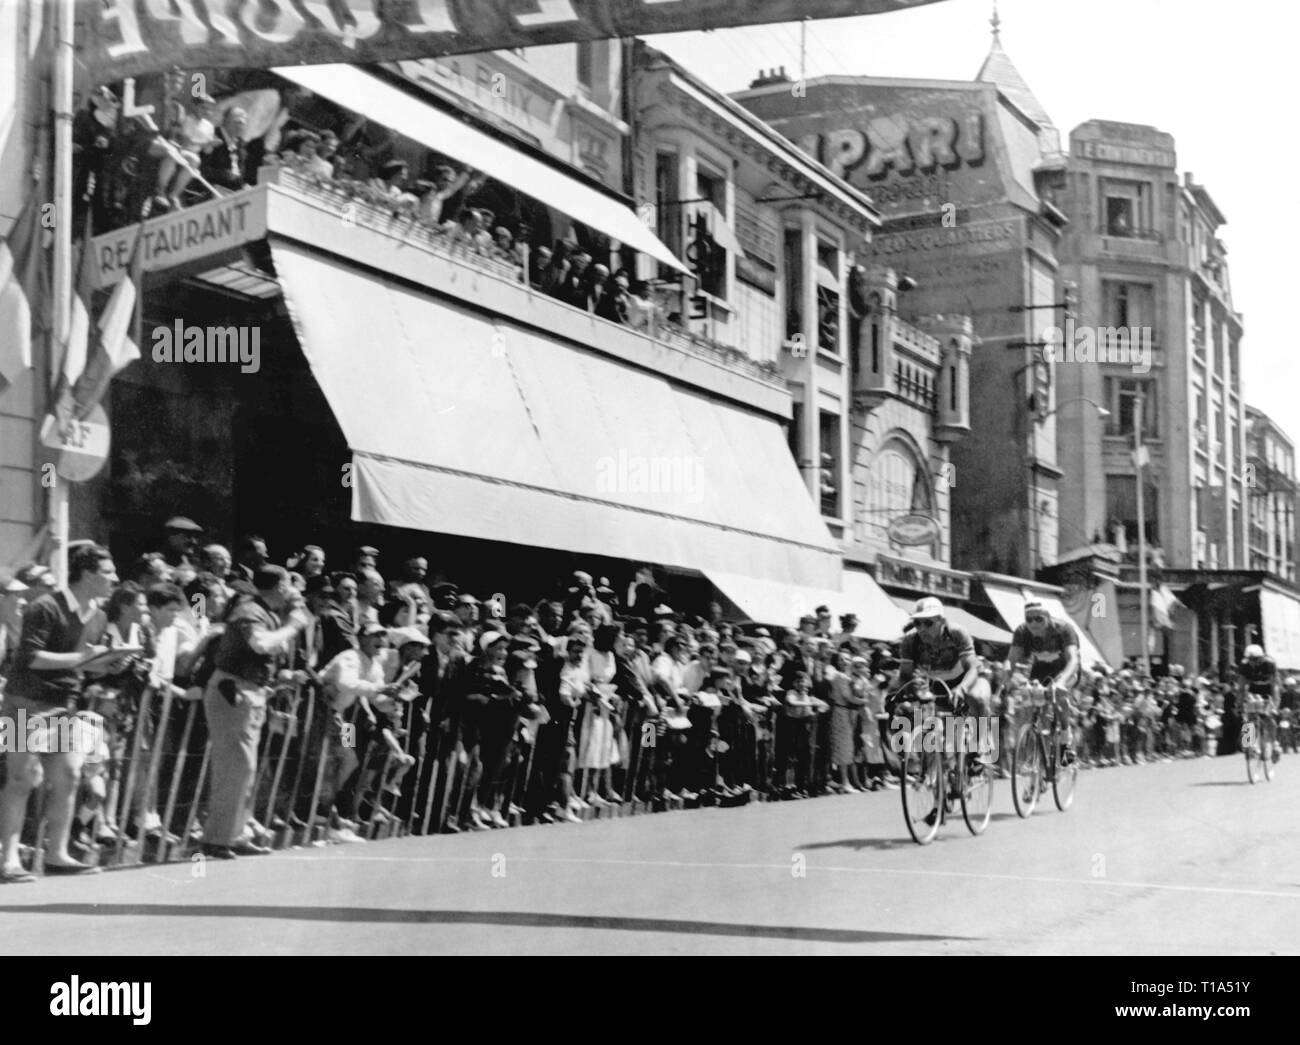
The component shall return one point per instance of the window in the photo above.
(829, 444)
(1126, 207)
(794, 285)
(1120, 394)
(708, 258)
(1201, 426)
(828, 297)
(668, 217)
(1128, 304)
(586, 64)
(1121, 506)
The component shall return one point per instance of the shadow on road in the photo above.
(1223, 783)
(515, 919)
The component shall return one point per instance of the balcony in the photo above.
(916, 386)
(322, 214)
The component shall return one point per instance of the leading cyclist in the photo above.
(1258, 675)
(946, 653)
(1051, 648)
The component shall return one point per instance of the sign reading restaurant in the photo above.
(186, 235)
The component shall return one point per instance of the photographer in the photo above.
(235, 702)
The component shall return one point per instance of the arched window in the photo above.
(898, 483)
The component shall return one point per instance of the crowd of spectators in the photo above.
(193, 145)
(339, 699)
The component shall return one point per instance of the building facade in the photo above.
(1273, 495)
(963, 174)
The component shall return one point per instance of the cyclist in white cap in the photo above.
(945, 652)
(1259, 689)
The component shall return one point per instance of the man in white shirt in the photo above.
(350, 680)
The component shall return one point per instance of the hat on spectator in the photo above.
(444, 594)
(491, 638)
(1254, 650)
(182, 524)
(1034, 606)
(268, 577)
(927, 608)
(762, 633)
(580, 579)
(807, 618)
(859, 659)
(743, 657)
(373, 628)
(36, 574)
(822, 611)
(400, 637)
(665, 611)
(13, 587)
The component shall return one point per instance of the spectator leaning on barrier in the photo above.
(44, 686)
(235, 702)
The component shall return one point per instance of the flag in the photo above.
(111, 347)
(24, 300)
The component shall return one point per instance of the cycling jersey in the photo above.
(947, 658)
(1259, 674)
(1049, 653)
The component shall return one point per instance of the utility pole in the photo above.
(1143, 609)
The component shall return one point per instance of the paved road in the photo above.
(1177, 858)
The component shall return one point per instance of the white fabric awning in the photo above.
(782, 605)
(464, 425)
(1010, 604)
(356, 90)
(1280, 623)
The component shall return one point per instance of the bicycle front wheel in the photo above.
(920, 779)
(1026, 770)
(976, 793)
(1252, 747)
(1064, 777)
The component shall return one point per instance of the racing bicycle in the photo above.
(1258, 740)
(935, 775)
(1037, 760)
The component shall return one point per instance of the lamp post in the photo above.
(1138, 464)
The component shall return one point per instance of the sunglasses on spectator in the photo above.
(1035, 620)
(928, 622)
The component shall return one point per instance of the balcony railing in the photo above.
(916, 387)
(401, 226)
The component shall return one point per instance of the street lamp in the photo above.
(1139, 463)
(1102, 412)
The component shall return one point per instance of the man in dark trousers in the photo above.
(234, 703)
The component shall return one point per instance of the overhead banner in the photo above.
(120, 38)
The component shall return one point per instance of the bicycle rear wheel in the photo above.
(1064, 778)
(921, 783)
(976, 793)
(1026, 770)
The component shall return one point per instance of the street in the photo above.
(1177, 858)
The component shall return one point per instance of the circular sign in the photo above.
(81, 446)
(913, 530)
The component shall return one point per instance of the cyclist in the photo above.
(1051, 648)
(1258, 675)
(947, 654)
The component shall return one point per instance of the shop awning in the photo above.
(355, 89)
(979, 630)
(1010, 604)
(781, 605)
(462, 425)
(1279, 615)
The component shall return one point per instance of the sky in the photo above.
(1218, 76)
